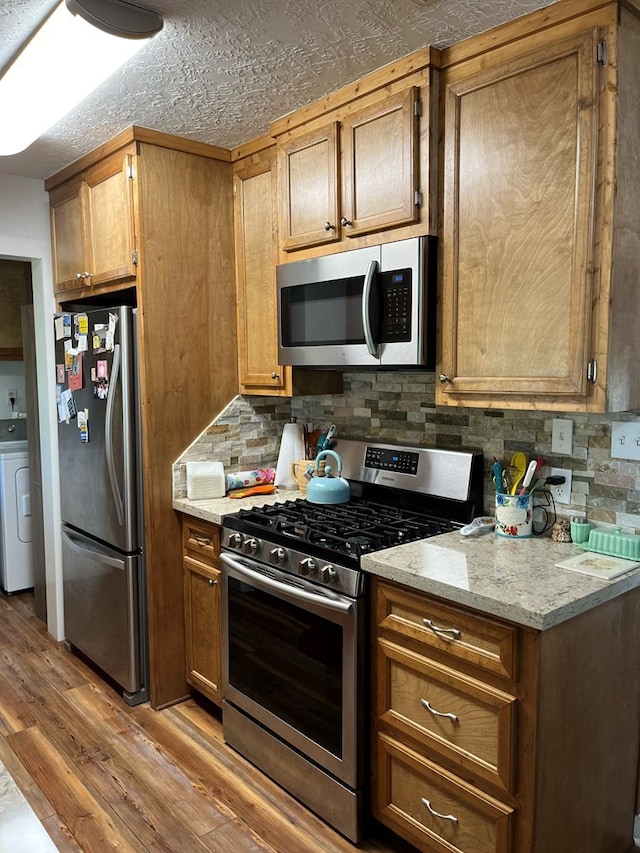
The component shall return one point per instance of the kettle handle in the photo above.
(324, 453)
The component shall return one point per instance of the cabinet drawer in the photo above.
(434, 809)
(471, 723)
(475, 639)
(201, 541)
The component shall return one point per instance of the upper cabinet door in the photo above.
(255, 241)
(92, 225)
(520, 157)
(67, 233)
(308, 189)
(109, 220)
(380, 180)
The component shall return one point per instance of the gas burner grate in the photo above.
(352, 529)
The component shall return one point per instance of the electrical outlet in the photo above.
(11, 394)
(562, 493)
(625, 440)
(562, 437)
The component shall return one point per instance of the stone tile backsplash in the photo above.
(400, 407)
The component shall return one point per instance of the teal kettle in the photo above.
(328, 490)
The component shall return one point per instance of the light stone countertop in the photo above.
(512, 579)
(214, 510)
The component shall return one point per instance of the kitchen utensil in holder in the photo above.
(514, 515)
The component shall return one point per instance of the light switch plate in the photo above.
(625, 440)
(562, 437)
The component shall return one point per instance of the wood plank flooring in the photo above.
(102, 776)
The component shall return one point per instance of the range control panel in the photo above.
(385, 459)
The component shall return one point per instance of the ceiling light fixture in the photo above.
(77, 47)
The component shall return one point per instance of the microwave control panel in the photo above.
(396, 310)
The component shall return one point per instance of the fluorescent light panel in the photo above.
(64, 61)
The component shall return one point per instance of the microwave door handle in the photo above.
(372, 346)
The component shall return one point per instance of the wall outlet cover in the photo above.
(562, 493)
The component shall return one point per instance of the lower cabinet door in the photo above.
(434, 809)
(202, 627)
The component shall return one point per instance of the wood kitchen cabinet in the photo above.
(187, 354)
(255, 225)
(491, 738)
(201, 548)
(92, 226)
(15, 291)
(540, 217)
(361, 161)
(256, 254)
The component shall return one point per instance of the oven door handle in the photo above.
(259, 580)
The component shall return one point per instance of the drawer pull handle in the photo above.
(426, 704)
(450, 817)
(202, 540)
(444, 633)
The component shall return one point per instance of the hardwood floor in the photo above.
(103, 776)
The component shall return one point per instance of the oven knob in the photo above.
(251, 545)
(278, 556)
(308, 566)
(328, 573)
(235, 540)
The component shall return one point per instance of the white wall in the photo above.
(11, 378)
(25, 236)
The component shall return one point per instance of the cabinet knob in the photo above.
(344, 221)
(329, 227)
(275, 375)
(444, 378)
(79, 276)
(212, 582)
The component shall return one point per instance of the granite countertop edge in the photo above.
(514, 580)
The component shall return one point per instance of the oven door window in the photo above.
(287, 660)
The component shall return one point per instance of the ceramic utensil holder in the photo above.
(514, 516)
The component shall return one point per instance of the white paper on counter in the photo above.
(598, 565)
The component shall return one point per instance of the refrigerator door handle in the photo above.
(108, 433)
(101, 558)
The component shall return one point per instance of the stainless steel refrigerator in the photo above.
(101, 495)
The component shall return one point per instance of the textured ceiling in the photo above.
(221, 70)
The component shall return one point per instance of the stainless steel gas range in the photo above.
(295, 616)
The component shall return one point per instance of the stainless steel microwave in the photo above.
(370, 307)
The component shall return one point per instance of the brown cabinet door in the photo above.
(15, 292)
(67, 233)
(519, 186)
(109, 220)
(380, 178)
(308, 189)
(256, 251)
(92, 227)
(202, 627)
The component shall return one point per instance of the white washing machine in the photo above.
(16, 554)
